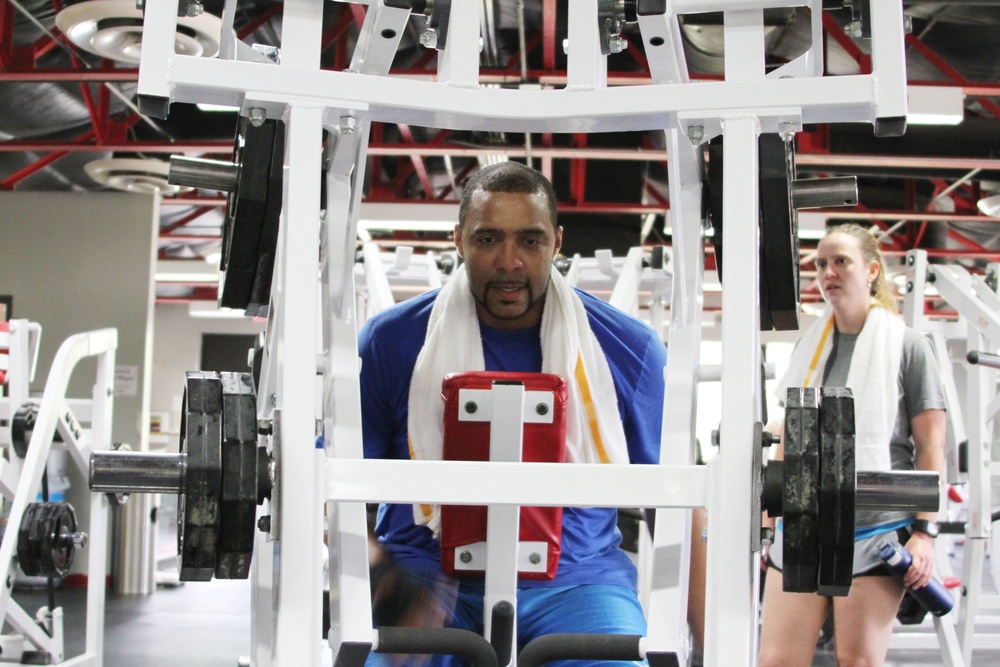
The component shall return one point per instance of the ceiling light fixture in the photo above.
(990, 206)
(935, 105)
(145, 175)
(113, 29)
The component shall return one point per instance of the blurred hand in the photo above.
(921, 548)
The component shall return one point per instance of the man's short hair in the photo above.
(508, 177)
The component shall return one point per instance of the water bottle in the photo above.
(934, 597)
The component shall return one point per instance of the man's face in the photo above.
(508, 244)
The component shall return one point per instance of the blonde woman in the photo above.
(861, 343)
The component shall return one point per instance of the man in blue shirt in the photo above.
(523, 318)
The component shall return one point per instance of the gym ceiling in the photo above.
(63, 108)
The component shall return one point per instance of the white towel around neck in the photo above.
(872, 378)
(453, 343)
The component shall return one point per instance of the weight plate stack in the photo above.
(238, 505)
(43, 546)
(837, 487)
(250, 231)
(801, 520)
(198, 515)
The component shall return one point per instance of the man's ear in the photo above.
(559, 235)
(458, 241)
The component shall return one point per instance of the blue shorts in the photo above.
(542, 611)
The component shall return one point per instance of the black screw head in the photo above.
(471, 407)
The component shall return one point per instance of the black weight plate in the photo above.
(28, 542)
(22, 426)
(836, 498)
(800, 549)
(238, 504)
(198, 504)
(57, 553)
(252, 212)
(779, 233)
(713, 198)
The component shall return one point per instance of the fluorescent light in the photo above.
(211, 309)
(221, 108)
(935, 105)
(409, 217)
(990, 206)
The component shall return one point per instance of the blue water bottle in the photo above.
(934, 597)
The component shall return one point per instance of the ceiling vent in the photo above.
(134, 175)
(113, 29)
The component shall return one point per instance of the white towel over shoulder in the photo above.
(872, 378)
(453, 344)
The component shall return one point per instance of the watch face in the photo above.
(929, 527)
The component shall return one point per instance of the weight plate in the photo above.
(836, 497)
(712, 198)
(238, 505)
(56, 551)
(198, 514)
(778, 274)
(779, 240)
(29, 542)
(22, 426)
(250, 232)
(801, 500)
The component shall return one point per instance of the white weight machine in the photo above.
(41, 636)
(972, 421)
(287, 571)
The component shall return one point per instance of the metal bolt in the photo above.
(908, 25)
(715, 437)
(853, 29)
(272, 53)
(264, 524)
(195, 8)
(257, 116)
(911, 260)
(787, 131)
(695, 134)
(617, 44)
(482, 44)
(704, 534)
(767, 439)
(535, 558)
(909, 286)
(565, 46)
(348, 124)
(274, 400)
(471, 407)
(766, 536)
(465, 557)
(265, 427)
(429, 38)
(542, 409)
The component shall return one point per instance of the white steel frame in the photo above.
(20, 480)
(978, 325)
(287, 571)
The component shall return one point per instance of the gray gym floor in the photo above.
(208, 625)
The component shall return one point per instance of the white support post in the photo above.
(350, 590)
(888, 44)
(297, 584)
(458, 63)
(668, 595)
(733, 573)
(625, 295)
(586, 67)
(503, 521)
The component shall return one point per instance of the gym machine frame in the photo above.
(287, 577)
(978, 324)
(21, 478)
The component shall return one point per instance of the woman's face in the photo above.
(845, 278)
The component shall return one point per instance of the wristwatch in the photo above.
(927, 527)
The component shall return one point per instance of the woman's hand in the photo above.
(921, 548)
